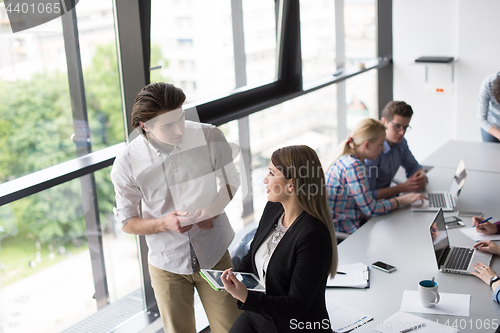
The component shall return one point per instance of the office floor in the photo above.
(157, 327)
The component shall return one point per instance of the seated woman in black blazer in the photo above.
(293, 251)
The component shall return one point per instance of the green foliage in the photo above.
(104, 107)
(36, 124)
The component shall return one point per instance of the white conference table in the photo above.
(477, 156)
(402, 239)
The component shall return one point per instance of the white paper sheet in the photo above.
(476, 236)
(402, 320)
(356, 276)
(343, 318)
(450, 304)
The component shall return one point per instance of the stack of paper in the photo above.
(476, 236)
(401, 321)
(450, 304)
(343, 318)
(356, 276)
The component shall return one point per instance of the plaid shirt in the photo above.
(349, 196)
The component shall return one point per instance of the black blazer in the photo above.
(296, 275)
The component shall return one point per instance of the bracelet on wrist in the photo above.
(397, 203)
(493, 280)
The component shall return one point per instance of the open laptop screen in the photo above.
(439, 235)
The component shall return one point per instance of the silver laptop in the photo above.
(452, 259)
(445, 200)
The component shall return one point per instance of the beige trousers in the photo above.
(174, 294)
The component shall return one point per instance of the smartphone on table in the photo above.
(384, 266)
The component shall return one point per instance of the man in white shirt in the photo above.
(171, 172)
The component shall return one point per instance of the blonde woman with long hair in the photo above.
(294, 249)
(349, 195)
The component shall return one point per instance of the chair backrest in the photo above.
(242, 248)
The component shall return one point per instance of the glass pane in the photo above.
(123, 271)
(307, 120)
(193, 42)
(47, 281)
(360, 21)
(35, 107)
(234, 209)
(259, 21)
(317, 33)
(361, 98)
(96, 28)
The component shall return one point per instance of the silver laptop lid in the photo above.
(458, 181)
(439, 237)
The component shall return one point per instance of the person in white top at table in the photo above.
(483, 271)
(172, 183)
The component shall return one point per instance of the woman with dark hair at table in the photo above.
(293, 252)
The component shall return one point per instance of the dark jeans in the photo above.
(487, 137)
(249, 322)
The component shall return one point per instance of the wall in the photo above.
(464, 29)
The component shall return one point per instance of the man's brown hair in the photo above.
(155, 99)
(399, 108)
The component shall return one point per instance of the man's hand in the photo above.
(172, 221)
(416, 182)
(409, 198)
(205, 218)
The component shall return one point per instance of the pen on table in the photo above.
(489, 218)
(342, 273)
(412, 328)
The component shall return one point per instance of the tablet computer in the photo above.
(250, 281)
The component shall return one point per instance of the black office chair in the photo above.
(242, 248)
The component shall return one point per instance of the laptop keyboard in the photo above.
(460, 258)
(437, 200)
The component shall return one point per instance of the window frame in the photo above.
(133, 19)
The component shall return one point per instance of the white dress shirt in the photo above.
(185, 179)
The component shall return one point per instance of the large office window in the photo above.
(81, 264)
(317, 32)
(192, 41)
(259, 27)
(46, 276)
(360, 19)
(361, 98)
(234, 208)
(192, 45)
(96, 29)
(360, 29)
(306, 120)
(47, 280)
(35, 107)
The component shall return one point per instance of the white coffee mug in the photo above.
(428, 291)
